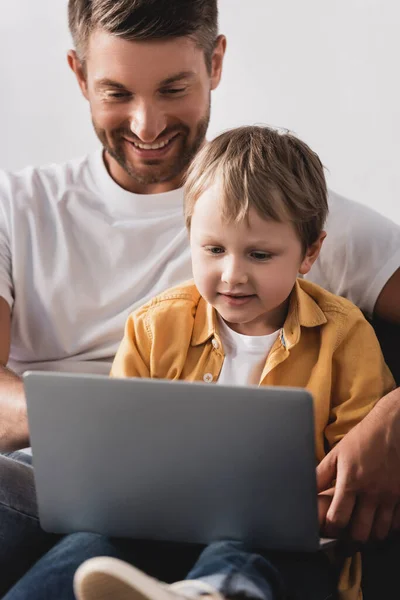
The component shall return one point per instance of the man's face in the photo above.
(246, 270)
(150, 106)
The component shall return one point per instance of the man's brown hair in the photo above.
(264, 168)
(145, 20)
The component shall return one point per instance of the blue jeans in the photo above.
(238, 572)
(228, 566)
(22, 541)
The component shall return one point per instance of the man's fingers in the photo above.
(326, 471)
(384, 517)
(324, 501)
(339, 513)
(341, 509)
(363, 518)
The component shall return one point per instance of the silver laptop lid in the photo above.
(178, 461)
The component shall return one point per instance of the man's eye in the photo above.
(117, 95)
(173, 91)
(261, 256)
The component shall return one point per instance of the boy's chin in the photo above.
(234, 317)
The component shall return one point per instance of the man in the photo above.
(83, 243)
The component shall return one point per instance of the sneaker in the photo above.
(105, 578)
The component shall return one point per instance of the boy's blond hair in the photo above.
(264, 168)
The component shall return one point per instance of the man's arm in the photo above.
(387, 306)
(13, 417)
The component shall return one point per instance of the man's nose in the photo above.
(147, 121)
(234, 272)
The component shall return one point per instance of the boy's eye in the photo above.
(214, 250)
(261, 256)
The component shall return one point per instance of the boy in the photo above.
(255, 207)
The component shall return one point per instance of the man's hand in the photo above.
(366, 466)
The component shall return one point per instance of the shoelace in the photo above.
(201, 587)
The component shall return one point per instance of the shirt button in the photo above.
(207, 377)
(215, 344)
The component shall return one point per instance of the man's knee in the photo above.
(17, 486)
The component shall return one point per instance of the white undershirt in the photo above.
(245, 355)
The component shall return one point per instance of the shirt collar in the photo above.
(303, 312)
(205, 323)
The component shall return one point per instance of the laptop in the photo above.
(174, 461)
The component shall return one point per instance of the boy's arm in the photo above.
(360, 379)
(133, 355)
(366, 466)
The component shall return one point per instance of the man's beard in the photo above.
(156, 171)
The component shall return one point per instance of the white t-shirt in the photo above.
(78, 254)
(360, 253)
(245, 355)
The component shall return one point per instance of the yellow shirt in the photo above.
(326, 346)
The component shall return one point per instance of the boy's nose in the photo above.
(233, 273)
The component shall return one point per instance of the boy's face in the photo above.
(247, 270)
(150, 105)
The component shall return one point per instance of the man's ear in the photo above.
(312, 254)
(80, 73)
(217, 61)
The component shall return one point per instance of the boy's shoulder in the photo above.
(333, 307)
(168, 316)
(178, 299)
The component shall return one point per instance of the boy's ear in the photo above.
(312, 254)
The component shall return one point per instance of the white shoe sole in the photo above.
(105, 578)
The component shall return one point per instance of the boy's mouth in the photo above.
(236, 299)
